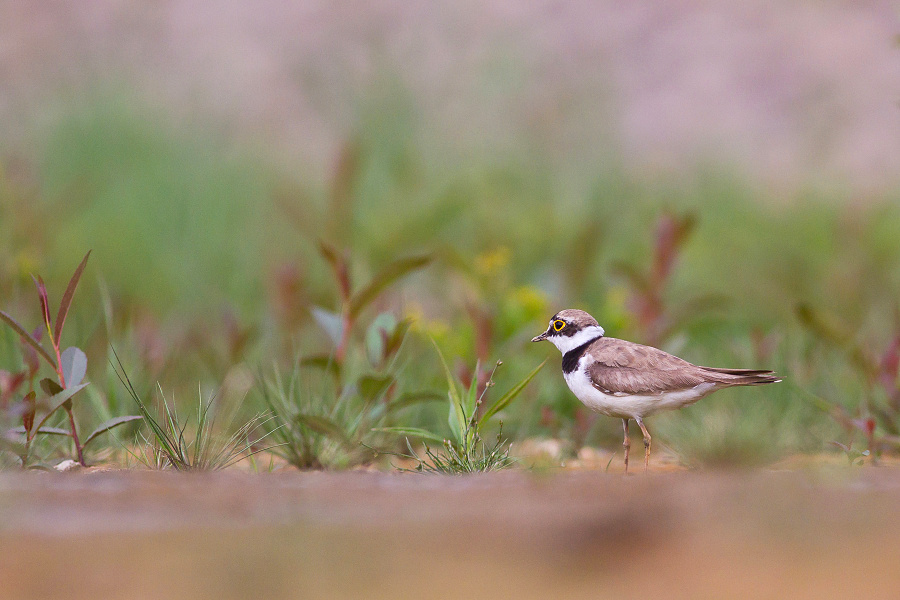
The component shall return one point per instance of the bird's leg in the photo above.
(647, 441)
(626, 444)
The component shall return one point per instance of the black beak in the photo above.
(543, 336)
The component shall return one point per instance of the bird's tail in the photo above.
(744, 376)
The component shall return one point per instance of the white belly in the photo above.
(630, 406)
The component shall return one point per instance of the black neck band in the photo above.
(571, 358)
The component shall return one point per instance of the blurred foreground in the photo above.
(829, 532)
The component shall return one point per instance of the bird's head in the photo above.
(569, 329)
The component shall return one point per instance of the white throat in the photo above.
(566, 343)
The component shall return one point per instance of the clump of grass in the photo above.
(334, 425)
(875, 416)
(724, 435)
(330, 419)
(313, 432)
(466, 451)
(454, 459)
(204, 447)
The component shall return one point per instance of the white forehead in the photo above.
(566, 343)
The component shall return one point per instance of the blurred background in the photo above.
(716, 179)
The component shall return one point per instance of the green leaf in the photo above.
(55, 431)
(326, 362)
(451, 381)
(67, 299)
(509, 396)
(823, 325)
(13, 446)
(377, 336)
(412, 398)
(413, 432)
(45, 430)
(107, 425)
(397, 337)
(372, 386)
(830, 329)
(457, 418)
(388, 275)
(74, 365)
(27, 337)
(50, 387)
(324, 426)
(457, 421)
(58, 400)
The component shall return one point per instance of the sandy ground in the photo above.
(823, 532)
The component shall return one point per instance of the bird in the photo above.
(626, 380)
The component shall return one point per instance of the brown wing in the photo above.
(628, 368)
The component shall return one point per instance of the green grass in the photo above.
(176, 443)
(205, 258)
(465, 450)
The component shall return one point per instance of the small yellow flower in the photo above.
(492, 262)
(616, 309)
(434, 328)
(616, 297)
(532, 300)
(26, 264)
(416, 316)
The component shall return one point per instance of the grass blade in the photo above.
(168, 447)
(67, 299)
(45, 430)
(324, 426)
(411, 398)
(509, 396)
(457, 418)
(325, 362)
(411, 432)
(451, 381)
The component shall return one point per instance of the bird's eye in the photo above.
(558, 325)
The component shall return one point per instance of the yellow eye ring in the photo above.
(558, 325)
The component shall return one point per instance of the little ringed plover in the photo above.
(625, 380)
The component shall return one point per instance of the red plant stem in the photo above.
(341, 350)
(75, 437)
(59, 371)
(27, 451)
